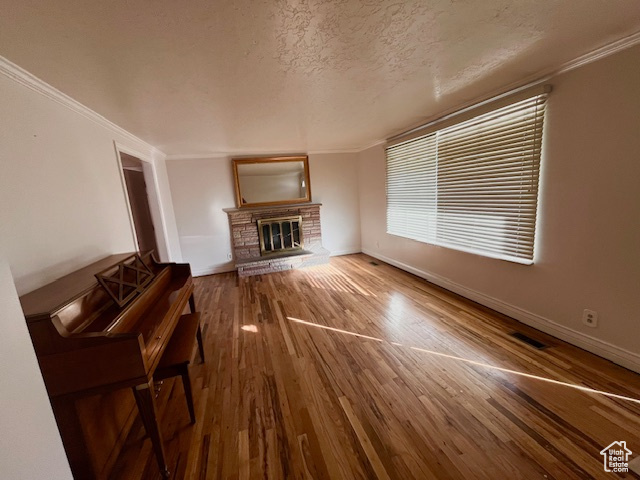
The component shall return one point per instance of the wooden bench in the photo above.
(177, 356)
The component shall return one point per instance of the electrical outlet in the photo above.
(590, 318)
(228, 256)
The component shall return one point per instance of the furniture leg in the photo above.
(186, 381)
(200, 345)
(192, 303)
(145, 399)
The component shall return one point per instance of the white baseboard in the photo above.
(594, 345)
(348, 251)
(201, 272)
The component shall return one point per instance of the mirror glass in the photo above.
(271, 181)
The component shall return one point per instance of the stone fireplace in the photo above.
(276, 238)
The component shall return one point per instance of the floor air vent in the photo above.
(374, 263)
(528, 340)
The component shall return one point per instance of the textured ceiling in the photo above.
(200, 76)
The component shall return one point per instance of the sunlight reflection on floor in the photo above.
(328, 277)
(467, 361)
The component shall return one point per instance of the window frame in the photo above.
(498, 229)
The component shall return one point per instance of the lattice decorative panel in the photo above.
(125, 280)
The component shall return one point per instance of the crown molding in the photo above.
(234, 153)
(372, 144)
(26, 79)
(354, 150)
(601, 52)
(198, 156)
(333, 151)
(240, 153)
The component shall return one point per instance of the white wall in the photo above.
(62, 203)
(201, 188)
(30, 445)
(334, 183)
(588, 238)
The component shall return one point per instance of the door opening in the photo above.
(139, 203)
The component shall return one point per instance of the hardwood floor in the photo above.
(353, 370)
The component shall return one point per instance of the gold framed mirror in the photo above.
(264, 181)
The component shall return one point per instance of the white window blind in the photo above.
(472, 185)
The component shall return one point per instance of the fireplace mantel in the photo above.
(243, 224)
(272, 208)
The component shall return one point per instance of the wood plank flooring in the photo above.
(361, 371)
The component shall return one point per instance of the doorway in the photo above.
(132, 170)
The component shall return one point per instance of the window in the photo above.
(471, 184)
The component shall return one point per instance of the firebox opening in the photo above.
(279, 235)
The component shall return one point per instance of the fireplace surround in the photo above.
(251, 259)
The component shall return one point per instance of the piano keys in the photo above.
(87, 344)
